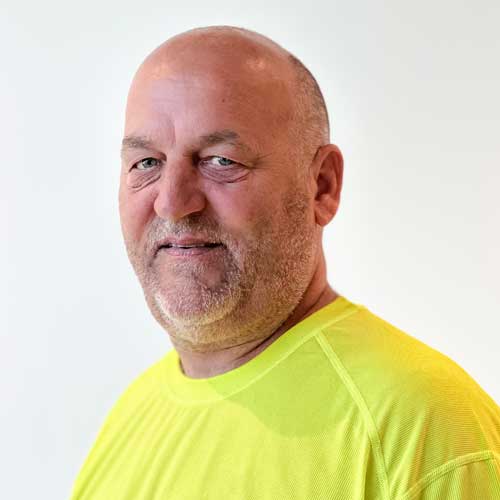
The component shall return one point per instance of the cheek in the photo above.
(135, 210)
(238, 210)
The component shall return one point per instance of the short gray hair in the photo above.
(312, 122)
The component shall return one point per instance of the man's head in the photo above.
(226, 142)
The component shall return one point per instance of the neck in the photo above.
(209, 364)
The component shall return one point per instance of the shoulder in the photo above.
(425, 409)
(395, 371)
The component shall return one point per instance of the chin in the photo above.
(177, 313)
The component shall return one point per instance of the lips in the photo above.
(200, 245)
(198, 251)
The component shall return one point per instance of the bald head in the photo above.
(305, 115)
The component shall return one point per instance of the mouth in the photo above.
(201, 245)
(189, 250)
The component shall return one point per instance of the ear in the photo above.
(328, 169)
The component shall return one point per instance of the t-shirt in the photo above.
(342, 406)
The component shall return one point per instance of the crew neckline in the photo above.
(203, 390)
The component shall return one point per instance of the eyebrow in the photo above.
(225, 136)
(136, 142)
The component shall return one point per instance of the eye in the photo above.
(145, 164)
(218, 161)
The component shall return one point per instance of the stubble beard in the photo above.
(260, 285)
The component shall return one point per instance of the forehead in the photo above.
(180, 98)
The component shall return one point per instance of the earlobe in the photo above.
(329, 171)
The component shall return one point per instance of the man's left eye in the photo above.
(219, 161)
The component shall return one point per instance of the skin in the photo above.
(266, 201)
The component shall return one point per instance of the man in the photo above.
(277, 387)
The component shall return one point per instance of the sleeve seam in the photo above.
(363, 408)
(446, 468)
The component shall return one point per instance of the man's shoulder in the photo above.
(387, 363)
(422, 408)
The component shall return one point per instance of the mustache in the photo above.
(197, 227)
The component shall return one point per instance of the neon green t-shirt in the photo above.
(342, 406)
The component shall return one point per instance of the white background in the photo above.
(413, 93)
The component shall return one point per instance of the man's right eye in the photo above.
(145, 164)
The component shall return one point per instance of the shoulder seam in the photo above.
(448, 467)
(363, 408)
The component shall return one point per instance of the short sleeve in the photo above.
(468, 478)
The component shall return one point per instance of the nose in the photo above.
(179, 193)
